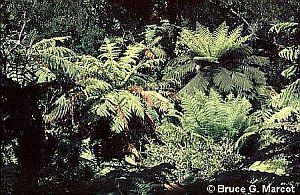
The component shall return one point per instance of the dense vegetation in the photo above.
(148, 96)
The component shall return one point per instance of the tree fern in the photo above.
(122, 105)
(204, 43)
(218, 59)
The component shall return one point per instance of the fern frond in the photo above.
(223, 80)
(290, 71)
(131, 103)
(254, 74)
(58, 51)
(131, 54)
(241, 82)
(289, 27)
(60, 64)
(48, 43)
(61, 108)
(110, 53)
(158, 101)
(288, 96)
(220, 35)
(198, 83)
(213, 44)
(281, 115)
(181, 71)
(212, 116)
(94, 87)
(291, 54)
(119, 124)
(44, 75)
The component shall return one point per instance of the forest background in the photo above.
(148, 96)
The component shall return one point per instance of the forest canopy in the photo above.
(149, 96)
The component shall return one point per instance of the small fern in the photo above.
(211, 116)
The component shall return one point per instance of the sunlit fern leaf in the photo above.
(90, 61)
(150, 33)
(225, 41)
(44, 75)
(220, 34)
(119, 124)
(290, 71)
(291, 54)
(213, 44)
(235, 36)
(155, 41)
(191, 109)
(105, 108)
(110, 52)
(60, 64)
(198, 83)
(92, 67)
(131, 54)
(58, 59)
(131, 103)
(281, 115)
(94, 87)
(212, 116)
(212, 50)
(58, 51)
(60, 110)
(289, 27)
(288, 96)
(237, 107)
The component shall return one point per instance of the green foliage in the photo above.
(142, 187)
(287, 102)
(212, 117)
(211, 46)
(107, 100)
(287, 27)
(56, 58)
(102, 111)
(220, 59)
(122, 105)
(291, 54)
(192, 156)
(62, 105)
(206, 120)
